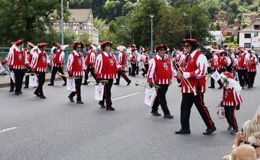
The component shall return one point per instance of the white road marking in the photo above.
(7, 129)
(115, 99)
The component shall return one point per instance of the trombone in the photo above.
(145, 84)
(187, 82)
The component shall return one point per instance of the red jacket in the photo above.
(17, 58)
(105, 66)
(58, 58)
(40, 61)
(76, 65)
(90, 58)
(160, 71)
(231, 97)
(251, 67)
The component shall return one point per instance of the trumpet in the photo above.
(145, 84)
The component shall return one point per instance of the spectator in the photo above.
(244, 152)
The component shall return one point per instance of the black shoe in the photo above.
(25, 87)
(20, 92)
(229, 128)
(211, 87)
(116, 83)
(37, 94)
(85, 83)
(71, 99)
(11, 90)
(110, 108)
(64, 84)
(155, 113)
(79, 102)
(168, 116)
(128, 83)
(17, 93)
(183, 131)
(143, 74)
(234, 131)
(42, 97)
(209, 131)
(50, 84)
(101, 105)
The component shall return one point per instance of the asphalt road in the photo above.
(55, 129)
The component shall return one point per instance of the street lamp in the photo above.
(62, 25)
(151, 16)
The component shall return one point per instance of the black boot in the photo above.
(183, 131)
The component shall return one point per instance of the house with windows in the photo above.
(81, 20)
(249, 37)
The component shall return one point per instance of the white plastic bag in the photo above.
(12, 75)
(2, 68)
(99, 92)
(71, 86)
(150, 94)
(221, 112)
(33, 81)
(216, 76)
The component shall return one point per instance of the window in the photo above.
(247, 35)
(257, 27)
(247, 45)
(80, 28)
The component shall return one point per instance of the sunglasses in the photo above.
(187, 46)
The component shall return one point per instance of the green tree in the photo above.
(27, 19)
(83, 37)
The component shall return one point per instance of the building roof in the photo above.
(251, 28)
(80, 15)
(220, 16)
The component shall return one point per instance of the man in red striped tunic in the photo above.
(194, 87)
(39, 65)
(105, 69)
(251, 68)
(18, 63)
(29, 56)
(160, 73)
(58, 62)
(76, 67)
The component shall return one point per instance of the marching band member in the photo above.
(216, 66)
(243, 58)
(231, 100)
(40, 63)
(251, 69)
(58, 61)
(29, 55)
(133, 61)
(8, 60)
(90, 63)
(18, 63)
(105, 69)
(121, 65)
(194, 87)
(160, 73)
(76, 67)
(145, 60)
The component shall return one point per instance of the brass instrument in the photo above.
(145, 84)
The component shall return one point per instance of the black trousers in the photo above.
(122, 73)
(91, 70)
(251, 76)
(212, 81)
(11, 84)
(19, 74)
(145, 69)
(54, 72)
(188, 99)
(133, 66)
(230, 116)
(107, 93)
(137, 68)
(41, 80)
(26, 82)
(243, 77)
(78, 81)
(160, 99)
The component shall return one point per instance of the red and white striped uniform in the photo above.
(252, 62)
(231, 97)
(243, 60)
(197, 67)
(58, 58)
(132, 57)
(105, 66)
(215, 61)
(121, 60)
(40, 61)
(161, 70)
(145, 58)
(91, 58)
(17, 58)
(76, 65)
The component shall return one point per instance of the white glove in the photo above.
(186, 75)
